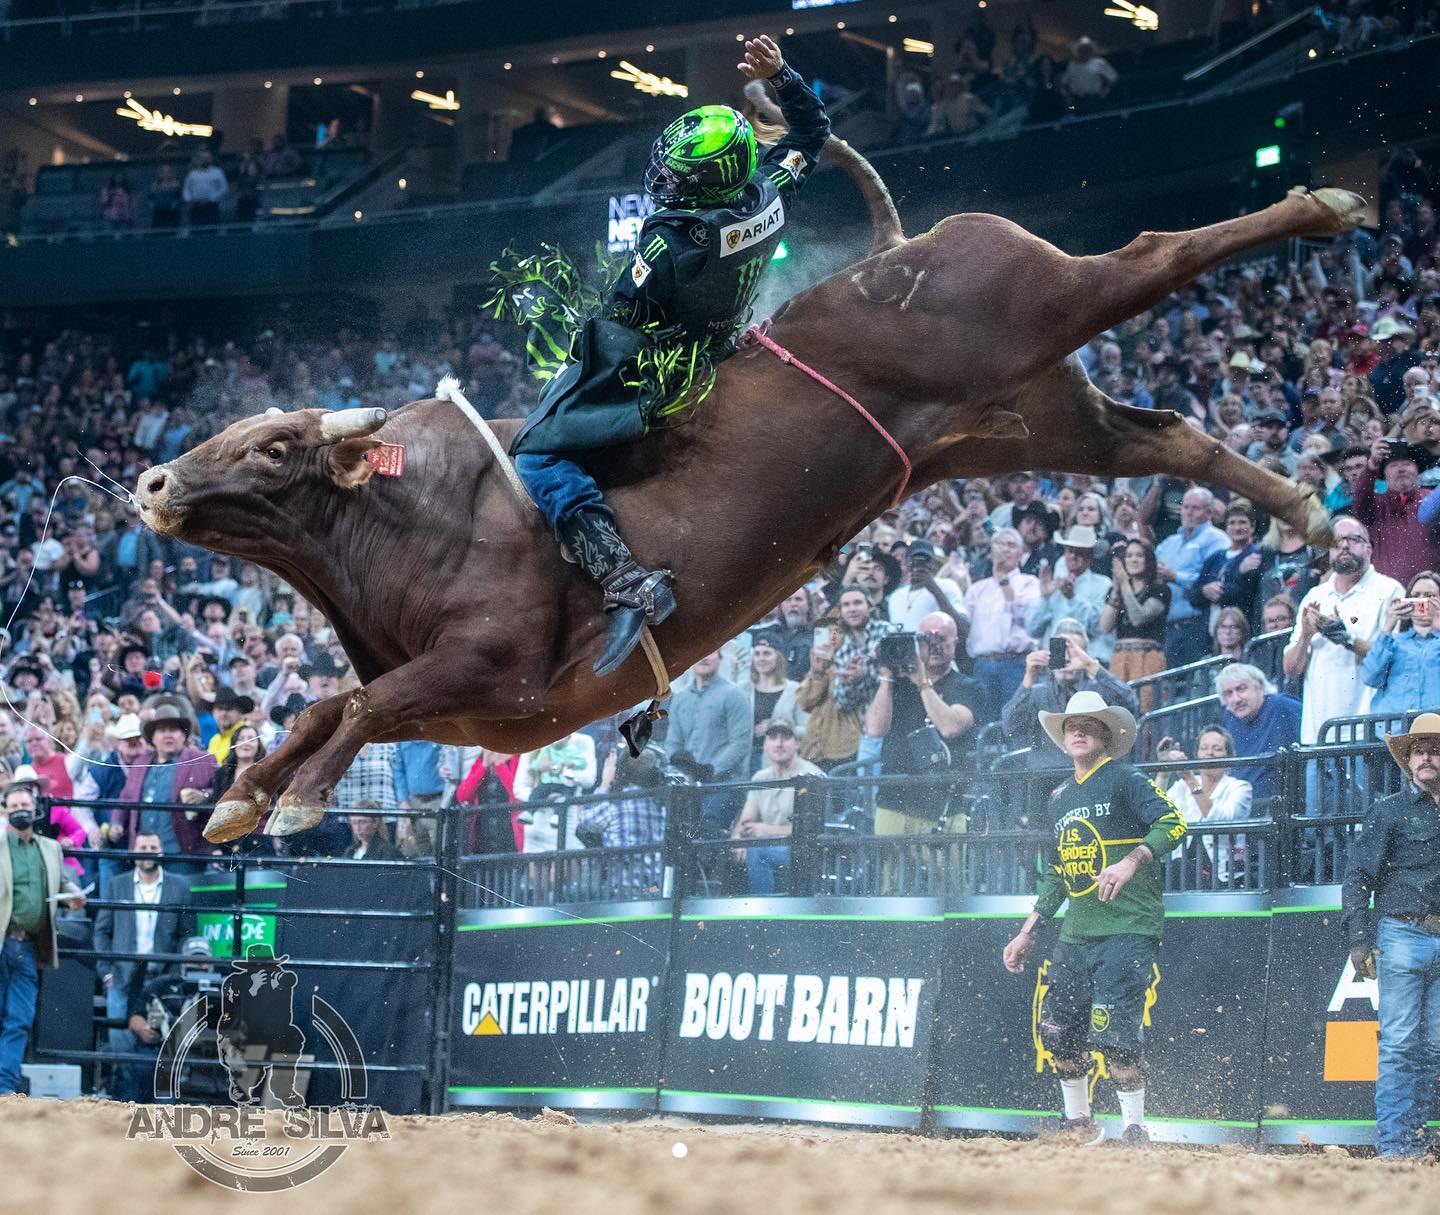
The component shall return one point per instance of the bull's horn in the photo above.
(350, 424)
(274, 412)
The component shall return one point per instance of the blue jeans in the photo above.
(19, 987)
(1187, 640)
(559, 487)
(764, 863)
(1409, 972)
(999, 677)
(127, 1080)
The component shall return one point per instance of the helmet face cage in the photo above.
(703, 158)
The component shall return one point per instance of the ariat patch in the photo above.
(737, 236)
(795, 162)
(388, 459)
(639, 271)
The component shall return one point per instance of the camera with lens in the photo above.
(899, 652)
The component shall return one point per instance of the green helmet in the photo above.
(702, 159)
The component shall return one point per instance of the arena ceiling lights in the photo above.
(648, 82)
(1138, 15)
(161, 124)
(435, 101)
(918, 46)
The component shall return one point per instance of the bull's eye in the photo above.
(275, 453)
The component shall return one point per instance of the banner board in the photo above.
(816, 1010)
(559, 1008)
(899, 1013)
(1323, 1030)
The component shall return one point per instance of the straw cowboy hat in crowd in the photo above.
(1427, 725)
(1117, 720)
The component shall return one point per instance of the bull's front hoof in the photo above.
(1336, 210)
(292, 816)
(232, 819)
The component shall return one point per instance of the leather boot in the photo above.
(634, 596)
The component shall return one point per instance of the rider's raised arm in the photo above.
(793, 158)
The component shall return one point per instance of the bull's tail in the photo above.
(885, 227)
(884, 219)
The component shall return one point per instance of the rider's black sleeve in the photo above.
(793, 158)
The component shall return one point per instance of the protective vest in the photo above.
(738, 244)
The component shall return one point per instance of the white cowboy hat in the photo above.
(1119, 721)
(1427, 725)
(1388, 327)
(127, 727)
(24, 774)
(1079, 536)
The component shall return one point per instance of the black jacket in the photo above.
(1397, 856)
(695, 272)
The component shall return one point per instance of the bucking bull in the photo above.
(452, 601)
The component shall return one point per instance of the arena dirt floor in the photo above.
(72, 1156)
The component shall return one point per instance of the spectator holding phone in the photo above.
(1403, 666)
(1209, 796)
(1052, 676)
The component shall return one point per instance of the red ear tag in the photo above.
(388, 459)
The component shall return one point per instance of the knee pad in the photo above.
(1067, 1044)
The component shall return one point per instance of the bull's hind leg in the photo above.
(1094, 434)
(241, 807)
(1114, 286)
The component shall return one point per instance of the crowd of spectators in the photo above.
(138, 668)
(987, 87)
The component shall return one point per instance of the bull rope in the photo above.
(449, 390)
(758, 335)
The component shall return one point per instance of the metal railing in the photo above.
(1232, 58)
(1197, 679)
(435, 911)
(987, 838)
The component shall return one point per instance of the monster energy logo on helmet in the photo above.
(703, 158)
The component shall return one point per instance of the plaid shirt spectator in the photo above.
(623, 823)
(371, 778)
(852, 697)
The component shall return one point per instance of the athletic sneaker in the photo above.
(1135, 1136)
(1082, 1132)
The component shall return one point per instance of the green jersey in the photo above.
(1097, 820)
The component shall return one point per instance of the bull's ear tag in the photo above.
(388, 459)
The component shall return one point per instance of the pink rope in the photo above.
(756, 335)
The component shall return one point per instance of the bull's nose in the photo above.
(155, 481)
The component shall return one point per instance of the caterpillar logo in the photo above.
(746, 232)
(572, 1006)
(838, 1011)
(1352, 1048)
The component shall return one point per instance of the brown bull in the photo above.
(453, 602)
